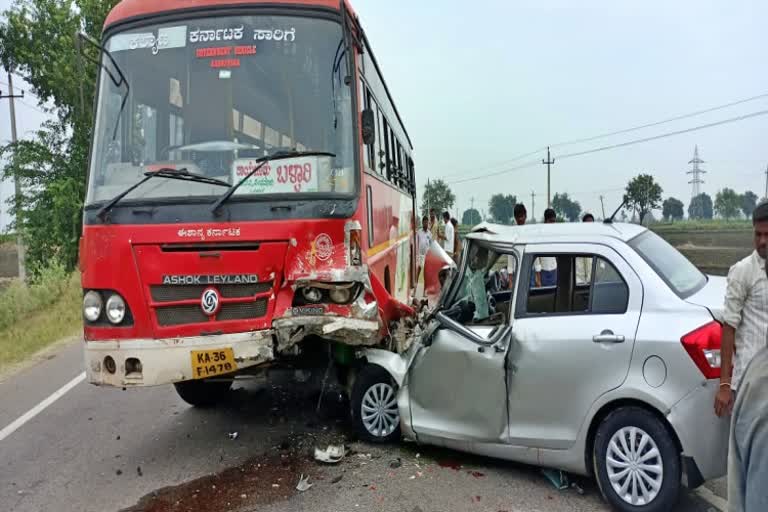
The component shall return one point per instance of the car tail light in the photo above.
(703, 345)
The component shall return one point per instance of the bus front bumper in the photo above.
(152, 362)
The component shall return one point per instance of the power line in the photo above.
(619, 145)
(664, 121)
(625, 130)
(668, 134)
(504, 171)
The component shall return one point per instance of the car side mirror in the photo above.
(368, 127)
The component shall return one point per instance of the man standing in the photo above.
(746, 314)
(448, 234)
(545, 268)
(433, 224)
(588, 217)
(423, 241)
(748, 451)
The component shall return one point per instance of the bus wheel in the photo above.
(203, 393)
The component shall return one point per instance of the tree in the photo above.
(727, 203)
(471, 217)
(565, 207)
(642, 195)
(672, 209)
(502, 208)
(700, 207)
(37, 43)
(748, 203)
(437, 195)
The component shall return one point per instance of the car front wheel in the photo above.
(636, 462)
(203, 393)
(375, 415)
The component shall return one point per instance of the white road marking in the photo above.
(21, 420)
(712, 498)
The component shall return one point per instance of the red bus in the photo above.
(251, 194)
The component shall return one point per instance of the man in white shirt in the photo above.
(448, 242)
(423, 241)
(746, 314)
(545, 267)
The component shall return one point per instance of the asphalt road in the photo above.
(92, 449)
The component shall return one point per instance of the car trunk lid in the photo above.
(711, 296)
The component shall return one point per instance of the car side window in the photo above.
(575, 284)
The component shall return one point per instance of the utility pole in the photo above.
(766, 182)
(16, 183)
(533, 204)
(602, 206)
(548, 162)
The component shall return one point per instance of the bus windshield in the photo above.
(211, 95)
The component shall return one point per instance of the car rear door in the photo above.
(571, 343)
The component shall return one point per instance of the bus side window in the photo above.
(387, 151)
(380, 141)
(369, 193)
(370, 150)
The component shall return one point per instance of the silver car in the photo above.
(609, 371)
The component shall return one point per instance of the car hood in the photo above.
(711, 296)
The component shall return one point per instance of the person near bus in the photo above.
(434, 227)
(423, 241)
(448, 232)
(520, 214)
(456, 240)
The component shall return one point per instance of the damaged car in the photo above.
(610, 372)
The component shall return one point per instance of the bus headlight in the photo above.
(92, 304)
(340, 295)
(115, 309)
(312, 294)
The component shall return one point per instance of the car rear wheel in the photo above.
(375, 415)
(203, 393)
(636, 462)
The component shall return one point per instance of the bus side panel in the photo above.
(389, 252)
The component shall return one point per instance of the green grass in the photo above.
(702, 225)
(7, 237)
(35, 316)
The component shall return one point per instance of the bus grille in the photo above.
(192, 314)
(171, 293)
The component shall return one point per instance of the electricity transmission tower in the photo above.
(696, 172)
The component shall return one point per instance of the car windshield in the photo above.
(213, 94)
(674, 268)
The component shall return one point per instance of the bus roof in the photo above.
(131, 9)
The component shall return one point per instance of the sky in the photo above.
(480, 83)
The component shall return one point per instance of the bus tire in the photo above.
(202, 393)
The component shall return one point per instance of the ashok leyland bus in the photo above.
(250, 194)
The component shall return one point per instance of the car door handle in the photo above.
(607, 336)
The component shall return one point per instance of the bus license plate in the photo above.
(208, 363)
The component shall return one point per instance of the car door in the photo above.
(456, 383)
(571, 342)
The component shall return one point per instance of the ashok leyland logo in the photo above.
(209, 302)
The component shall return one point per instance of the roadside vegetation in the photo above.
(34, 316)
(702, 225)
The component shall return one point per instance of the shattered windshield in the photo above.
(213, 94)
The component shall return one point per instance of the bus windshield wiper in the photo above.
(280, 155)
(164, 172)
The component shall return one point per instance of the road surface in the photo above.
(68, 446)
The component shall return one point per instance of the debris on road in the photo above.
(331, 455)
(119, 472)
(303, 484)
(476, 474)
(557, 477)
(233, 435)
(138, 471)
(396, 463)
(337, 479)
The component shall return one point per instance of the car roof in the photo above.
(557, 232)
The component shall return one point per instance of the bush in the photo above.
(18, 301)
